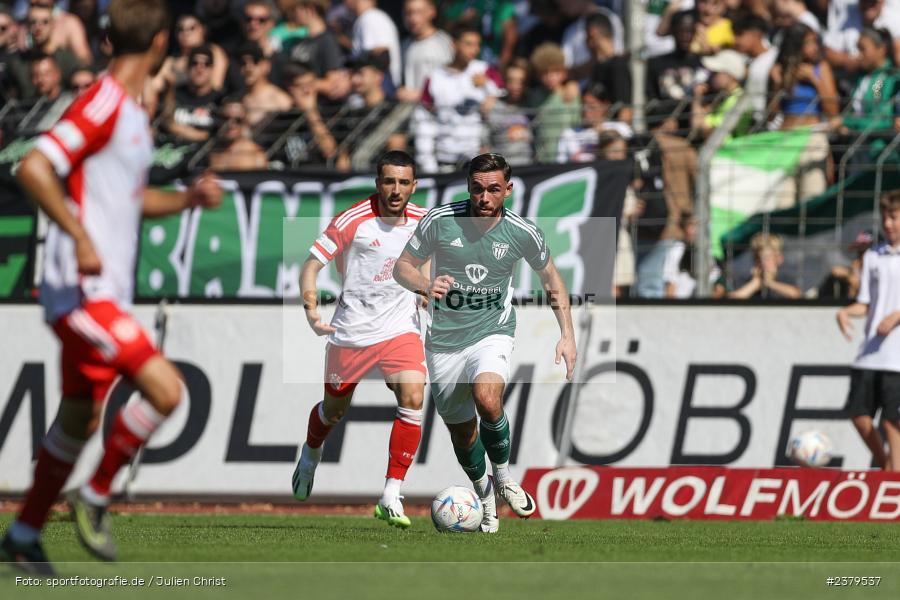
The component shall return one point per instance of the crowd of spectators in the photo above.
(295, 83)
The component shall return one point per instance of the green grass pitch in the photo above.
(315, 557)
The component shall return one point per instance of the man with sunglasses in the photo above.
(190, 108)
(39, 23)
(67, 31)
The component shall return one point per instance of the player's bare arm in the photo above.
(857, 309)
(408, 272)
(310, 294)
(39, 180)
(556, 291)
(205, 192)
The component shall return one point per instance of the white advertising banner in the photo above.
(663, 385)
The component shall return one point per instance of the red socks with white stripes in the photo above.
(57, 457)
(133, 425)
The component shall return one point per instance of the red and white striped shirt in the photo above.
(372, 307)
(102, 149)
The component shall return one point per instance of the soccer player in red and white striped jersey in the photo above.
(375, 325)
(89, 175)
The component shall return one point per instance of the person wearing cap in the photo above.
(189, 108)
(728, 69)
(366, 109)
(262, 96)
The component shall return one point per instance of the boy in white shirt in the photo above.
(875, 374)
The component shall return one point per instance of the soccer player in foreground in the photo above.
(376, 324)
(89, 174)
(476, 246)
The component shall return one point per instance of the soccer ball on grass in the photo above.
(810, 449)
(457, 509)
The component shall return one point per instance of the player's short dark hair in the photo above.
(487, 163)
(750, 22)
(600, 21)
(890, 201)
(462, 29)
(395, 158)
(134, 23)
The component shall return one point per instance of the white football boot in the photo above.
(305, 473)
(518, 499)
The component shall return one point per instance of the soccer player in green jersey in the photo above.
(476, 246)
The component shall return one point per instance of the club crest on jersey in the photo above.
(500, 249)
(476, 272)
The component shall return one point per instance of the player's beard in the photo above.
(391, 209)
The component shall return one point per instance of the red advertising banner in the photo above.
(714, 493)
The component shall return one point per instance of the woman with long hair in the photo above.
(805, 94)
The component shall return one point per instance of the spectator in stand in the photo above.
(375, 32)
(313, 141)
(8, 43)
(236, 149)
(750, 40)
(872, 101)
(46, 78)
(93, 20)
(607, 68)
(580, 144)
(448, 124)
(655, 44)
(557, 102)
(843, 281)
(285, 34)
(764, 282)
(495, 18)
(223, 26)
(82, 79)
(190, 107)
(671, 78)
(319, 49)
(805, 78)
(680, 272)
(713, 30)
(788, 12)
(262, 96)
(190, 34)
(259, 21)
(846, 19)
(507, 119)
(39, 22)
(574, 41)
(727, 70)
(612, 146)
(550, 27)
(804, 89)
(425, 50)
(66, 32)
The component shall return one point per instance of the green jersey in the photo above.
(479, 303)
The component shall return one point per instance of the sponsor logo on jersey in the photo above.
(387, 271)
(457, 243)
(476, 272)
(500, 249)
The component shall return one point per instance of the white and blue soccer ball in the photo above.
(810, 449)
(457, 509)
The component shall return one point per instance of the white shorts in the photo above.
(453, 373)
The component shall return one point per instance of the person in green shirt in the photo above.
(495, 18)
(871, 101)
(475, 246)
